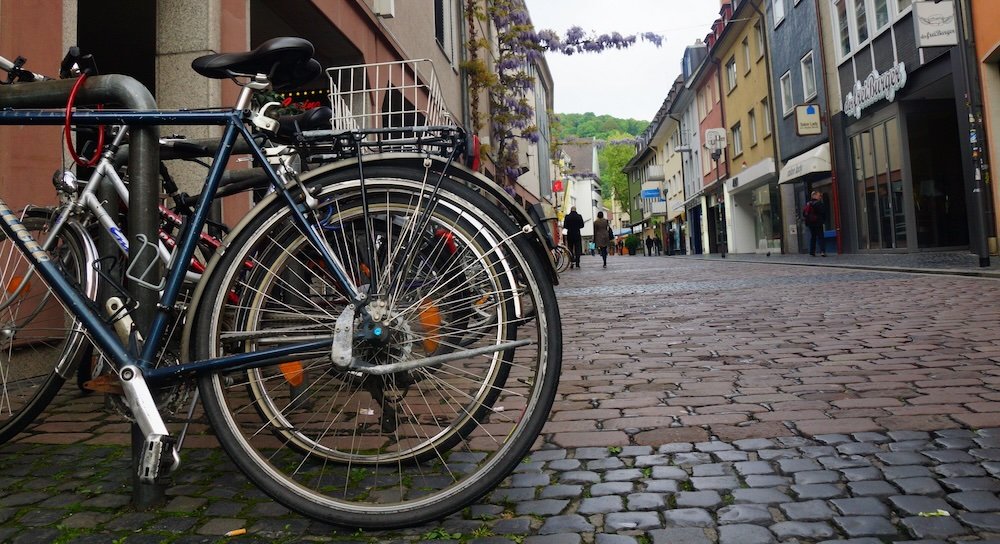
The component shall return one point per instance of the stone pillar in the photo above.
(186, 30)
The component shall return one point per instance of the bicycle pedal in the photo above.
(105, 383)
(159, 457)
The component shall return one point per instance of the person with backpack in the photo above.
(814, 216)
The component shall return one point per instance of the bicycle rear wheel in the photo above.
(40, 343)
(360, 450)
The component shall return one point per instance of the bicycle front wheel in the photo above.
(40, 343)
(452, 280)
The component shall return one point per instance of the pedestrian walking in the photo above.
(814, 216)
(649, 246)
(592, 247)
(621, 246)
(573, 224)
(602, 236)
(658, 244)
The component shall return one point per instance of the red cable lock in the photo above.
(67, 130)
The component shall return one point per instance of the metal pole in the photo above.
(144, 160)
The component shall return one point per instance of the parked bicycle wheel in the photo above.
(40, 344)
(352, 448)
(561, 258)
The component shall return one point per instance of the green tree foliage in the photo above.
(612, 158)
(588, 125)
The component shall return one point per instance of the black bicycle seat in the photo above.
(286, 61)
(314, 119)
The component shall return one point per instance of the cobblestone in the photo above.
(874, 348)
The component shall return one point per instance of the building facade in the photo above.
(156, 40)
(798, 89)
(751, 191)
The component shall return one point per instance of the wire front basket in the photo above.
(391, 103)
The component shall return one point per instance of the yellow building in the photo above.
(751, 191)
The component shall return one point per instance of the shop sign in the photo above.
(807, 120)
(874, 88)
(935, 24)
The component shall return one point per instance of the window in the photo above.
(861, 20)
(843, 28)
(765, 111)
(808, 76)
(903, 4)
(731, 73)
(444, 26)
(881, 13)
(759, 34)
(737, 140)
(752, 126)
(746, 55)
(779, 11)
(787, 99)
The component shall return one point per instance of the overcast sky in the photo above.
(629, 83)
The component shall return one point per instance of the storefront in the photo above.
(902, 181)
(754, 220)
(803, 174)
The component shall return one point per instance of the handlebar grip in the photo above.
(85, 63)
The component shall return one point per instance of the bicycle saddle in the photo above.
(314, 119)
(286, 61)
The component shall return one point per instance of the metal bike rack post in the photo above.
(142, 211)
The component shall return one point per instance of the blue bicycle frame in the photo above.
(80, 307)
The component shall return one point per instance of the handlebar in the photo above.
(18, 73)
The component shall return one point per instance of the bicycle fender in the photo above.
(540, 241)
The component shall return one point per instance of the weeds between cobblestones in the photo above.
(868, 487)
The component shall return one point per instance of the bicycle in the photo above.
(368, 273)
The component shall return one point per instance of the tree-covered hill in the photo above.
(588, 125)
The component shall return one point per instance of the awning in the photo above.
(752, 176)
(816, 160)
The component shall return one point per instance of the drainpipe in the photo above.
(977, 134)
(834, 181)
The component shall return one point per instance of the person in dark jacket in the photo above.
(574, 224)
(602, 236)
(814, 216)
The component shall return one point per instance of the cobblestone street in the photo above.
(702, 401)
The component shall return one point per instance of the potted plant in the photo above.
(632, 243)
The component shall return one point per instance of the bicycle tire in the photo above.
(562, 259)
(41, 344)
(343, 470)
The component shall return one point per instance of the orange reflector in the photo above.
(365, 270)
(14, 283)
(293, 372)
(430, 321)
